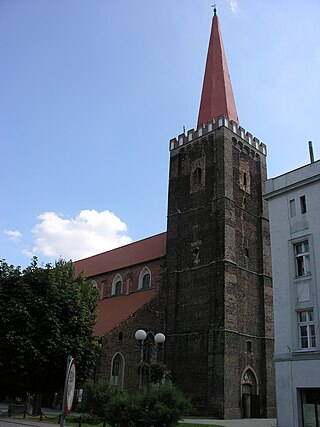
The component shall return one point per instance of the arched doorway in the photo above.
(250, 399)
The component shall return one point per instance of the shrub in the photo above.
(85, 419)
(123, 409)
(96, 397)
(164, 405)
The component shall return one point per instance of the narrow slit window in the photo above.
(244, 179)
(197, 179)
(292, 208)
(303, 204)
(197, 176)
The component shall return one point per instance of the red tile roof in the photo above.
(135, 253)
(113, 311)
(217, 96)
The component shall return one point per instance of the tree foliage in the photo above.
(46, 314)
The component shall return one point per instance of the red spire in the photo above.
(217, 95)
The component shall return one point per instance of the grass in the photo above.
(196, 425)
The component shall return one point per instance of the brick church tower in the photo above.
(218, 289)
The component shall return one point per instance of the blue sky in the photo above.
(91, 92)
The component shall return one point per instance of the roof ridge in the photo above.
(121, 247)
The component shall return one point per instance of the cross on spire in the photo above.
(214, 8)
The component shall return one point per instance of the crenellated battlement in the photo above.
(202, 130)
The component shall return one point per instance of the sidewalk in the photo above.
(11, 422)
(246, 422)
(7, 422)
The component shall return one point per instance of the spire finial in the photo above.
(214, 8)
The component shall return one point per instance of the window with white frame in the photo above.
(145, 279)
(117, 285)
(307, 336)
(302, 258)
(117, 369)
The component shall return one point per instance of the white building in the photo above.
(294, 208)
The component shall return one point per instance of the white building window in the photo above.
(292, 208)
(307, 336)
(302, 258)
(117, 285)
(145, 279)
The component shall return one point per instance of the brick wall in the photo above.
(151, 319)
(130, 278)
(218, 284)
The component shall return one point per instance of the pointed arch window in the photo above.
(95, 285)
(249, 382)
(145, 279)
(197, 177)
(117, 370)
(149, 357)
(117, 285)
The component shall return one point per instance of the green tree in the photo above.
(46, 313)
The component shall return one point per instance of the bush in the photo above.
(96, 397)
(123, 410)
(85, 419)
(165, 405)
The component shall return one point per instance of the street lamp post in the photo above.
(148, 346)
(151, 348)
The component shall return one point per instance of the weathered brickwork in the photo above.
(218, 283)
(211, 290)
(215, 293)
(130, 277)
(151, 319)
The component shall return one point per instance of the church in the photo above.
(205, 284)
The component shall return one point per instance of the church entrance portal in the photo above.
(250, 399)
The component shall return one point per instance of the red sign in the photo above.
(71, 385)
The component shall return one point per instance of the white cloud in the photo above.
(87, 234)
(13, 234)
(29, 253)
(234, 6)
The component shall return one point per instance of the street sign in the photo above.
(71, 386)
(69, 389)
